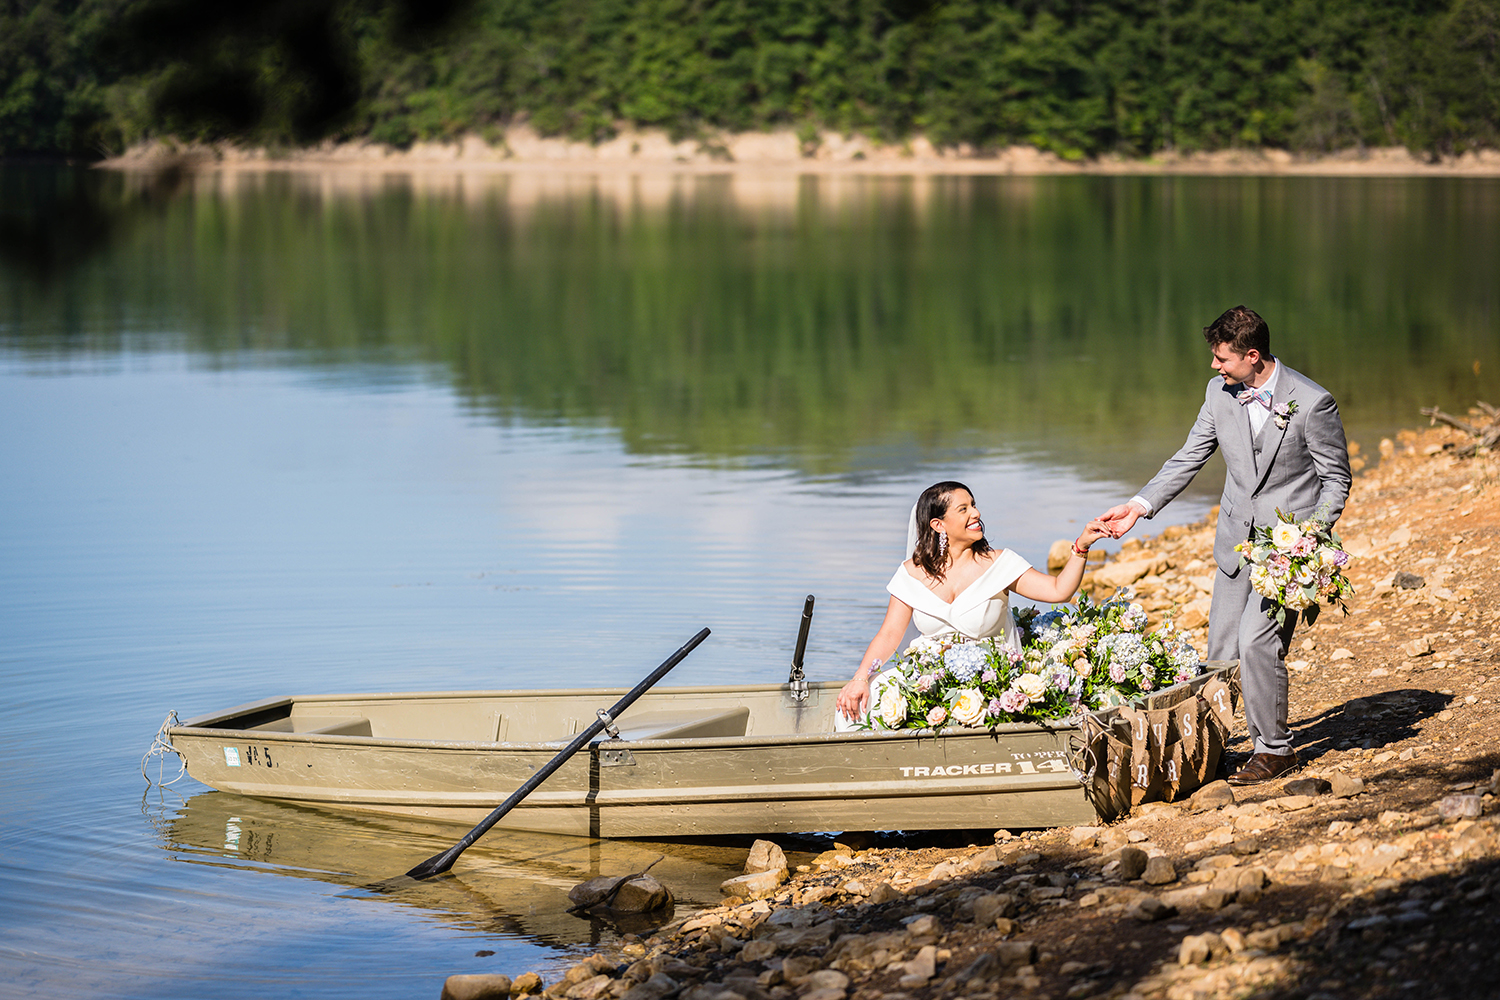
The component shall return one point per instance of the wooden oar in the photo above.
(442, 862)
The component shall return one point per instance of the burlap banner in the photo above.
(1161, 751)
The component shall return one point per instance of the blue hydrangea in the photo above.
(1126, 649)
(964, 662)
(1185, 658)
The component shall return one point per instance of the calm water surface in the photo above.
(279, 435)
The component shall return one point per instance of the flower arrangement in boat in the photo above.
(1294, 565)
(1072, 660)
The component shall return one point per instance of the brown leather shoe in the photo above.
(1264, 767)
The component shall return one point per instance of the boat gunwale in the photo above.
(688, 743)
(192, 727)
(276, 701)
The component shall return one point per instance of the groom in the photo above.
(1284, 448)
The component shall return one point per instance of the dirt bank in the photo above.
(1359, 876)
(521, 150)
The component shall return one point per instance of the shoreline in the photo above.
(1372, 869)
(649, 151)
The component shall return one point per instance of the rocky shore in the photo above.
(1371, 872)
(520, 149)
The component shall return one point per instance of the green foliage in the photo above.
(51, 99)
(1082, 77)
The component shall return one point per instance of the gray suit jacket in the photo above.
(1302, 469)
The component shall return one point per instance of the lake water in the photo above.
(279, 434)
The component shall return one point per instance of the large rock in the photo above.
(1059, 554)
(1133, 863)
(659, 985)
(765, 857)
(1199, 948)
(1016, 952)
(1214, 795)
(827, 979)
(488, 986)
(1421, 646)
(1457, 807)
(1124, 573)
(758, 951)
(989, 907)
(799, 967)
(1307, 786)
(1148, 909)
(1194, 614)
(526, 983)
(641, 894)
(590, 989)
(1345, 786)
(758, 885)
(1159, 871)
(920, 969)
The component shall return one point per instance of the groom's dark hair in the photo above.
(933, 503)
(1242, 329)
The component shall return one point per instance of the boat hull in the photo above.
(694, 761)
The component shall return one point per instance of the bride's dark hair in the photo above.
(933, 503)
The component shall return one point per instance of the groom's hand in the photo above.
(1121, 519)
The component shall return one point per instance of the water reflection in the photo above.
(829, 323)
(510, 884)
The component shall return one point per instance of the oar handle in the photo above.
(807, 610)
(444, 861)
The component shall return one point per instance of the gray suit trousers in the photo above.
(1238, 629)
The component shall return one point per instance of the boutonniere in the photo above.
(1283, 412)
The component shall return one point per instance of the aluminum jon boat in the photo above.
(688, 761)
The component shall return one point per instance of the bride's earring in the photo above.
(942, 542)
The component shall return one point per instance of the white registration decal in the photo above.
(1021, 763)
(232, 756)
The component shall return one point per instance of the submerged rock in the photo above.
(635, 894)
(488, 986)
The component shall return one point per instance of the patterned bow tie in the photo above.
(1250, 395)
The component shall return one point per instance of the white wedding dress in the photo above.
(979, 611)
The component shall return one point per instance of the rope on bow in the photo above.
(160, 747)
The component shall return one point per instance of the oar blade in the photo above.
(435, 865)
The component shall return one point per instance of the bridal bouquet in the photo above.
(1072, 660)
(1295, 564)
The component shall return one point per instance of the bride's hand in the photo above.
(854, 696)
(1092, 532)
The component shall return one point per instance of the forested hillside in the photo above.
(1078, 77)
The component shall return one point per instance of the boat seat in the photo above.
(334, 727)
(684, 724)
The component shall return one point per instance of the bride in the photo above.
(956, 583)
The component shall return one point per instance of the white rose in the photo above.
(969, 707)
(924, 648)
(892, 706)
(1033, 686)
(1260, 582)
(1284, 536)
(1328, 557)
(1297, 599)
